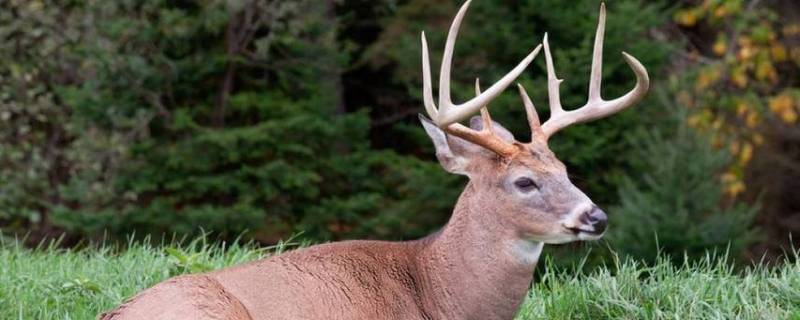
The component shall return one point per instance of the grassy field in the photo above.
(49, 283)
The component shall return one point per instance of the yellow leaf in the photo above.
(752, 120)
(758, 139)
(746, 52)
(694, 120)
(733, 182)
(35, 5)
(778, 52)
(735, 147)
(791, 30)
(739, 77)
(701, 119)
(780, 103)
(729, 177)
(721, 12)
(686, 18)
(720, 46)
(707, 78)
(745, 41)
(717, 124)
(735, 188)
(765, 71)
(746, 154)
(741, 109)
(789, 116)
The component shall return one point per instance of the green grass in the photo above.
(49, 283)
(701, 290)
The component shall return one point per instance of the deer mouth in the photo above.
(577, 231)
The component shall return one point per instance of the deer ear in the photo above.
(453, 162)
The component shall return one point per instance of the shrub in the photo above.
(674, 202)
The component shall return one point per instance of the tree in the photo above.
(742, 70)
(672, 205)
(226, 116)
(48, 149)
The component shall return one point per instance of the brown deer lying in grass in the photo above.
(479, 266)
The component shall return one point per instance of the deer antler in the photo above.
(447, 115)
(595, 107)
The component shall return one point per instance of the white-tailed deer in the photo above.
(479, 266)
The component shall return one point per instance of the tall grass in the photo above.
(52, 283)
(707, 289)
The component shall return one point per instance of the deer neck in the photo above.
(477, 266)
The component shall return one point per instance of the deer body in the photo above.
(479, 266)
(442, 276)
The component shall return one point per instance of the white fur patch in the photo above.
(527, 251)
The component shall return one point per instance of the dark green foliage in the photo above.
(246, 131)
(266, 118)
(672, 203)
(47, 149)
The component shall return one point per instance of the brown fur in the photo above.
(184, 297)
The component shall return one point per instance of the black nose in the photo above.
(596, 218)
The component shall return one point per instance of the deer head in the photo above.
(523, 183)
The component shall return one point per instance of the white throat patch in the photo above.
(527, 251)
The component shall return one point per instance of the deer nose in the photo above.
(595, 218)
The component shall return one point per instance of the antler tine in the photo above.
(596, 75)
(427, 91)
(485, 117)
(595, 107)
(484, 137)
(449, 113)
(530, 111)
(553, 83)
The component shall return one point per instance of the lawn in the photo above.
(50, 283)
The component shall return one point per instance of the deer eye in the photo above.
(526, 184)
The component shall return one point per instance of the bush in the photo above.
(674, 202)
(155, 119)
(294, 171)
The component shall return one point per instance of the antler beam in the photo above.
(484, 137)
(448, 114)
(595, 107)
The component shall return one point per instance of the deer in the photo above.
(478, 266)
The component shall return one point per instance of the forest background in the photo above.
(261, 119)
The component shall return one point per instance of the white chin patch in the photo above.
(589, 236)
(557, 238)
(567, 237)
